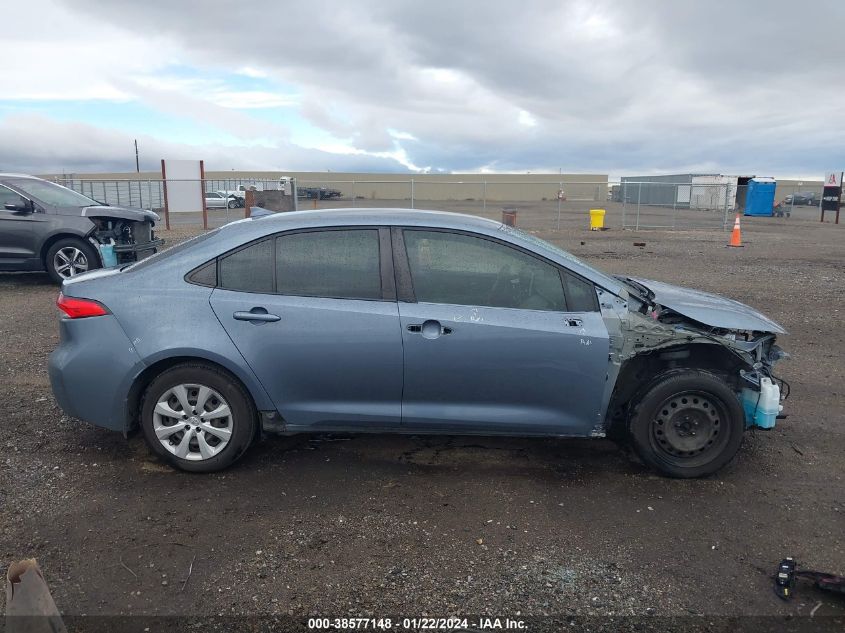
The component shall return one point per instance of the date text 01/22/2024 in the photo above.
(416, 624)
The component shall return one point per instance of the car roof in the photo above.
(372, 215)
(19, 176)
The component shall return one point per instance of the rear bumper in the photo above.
(92, 370)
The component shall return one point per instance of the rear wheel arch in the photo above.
(139, 386)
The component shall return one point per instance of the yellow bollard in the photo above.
(597, 219)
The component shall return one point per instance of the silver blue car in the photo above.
(374, 320)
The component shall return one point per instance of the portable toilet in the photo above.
(760, 197)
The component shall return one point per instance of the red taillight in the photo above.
(80, 308)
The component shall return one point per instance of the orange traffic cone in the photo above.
(736, 238)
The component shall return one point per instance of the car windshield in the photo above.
(53, 194)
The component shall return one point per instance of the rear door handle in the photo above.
(257, 316)
(574, 322)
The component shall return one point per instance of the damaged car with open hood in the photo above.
(45, 226)
(406, 321)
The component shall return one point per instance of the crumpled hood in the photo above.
(710, 309)
(124, 213)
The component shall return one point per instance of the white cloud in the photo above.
(249, 71)
(526, 119)
(51, 52)
(614, 86)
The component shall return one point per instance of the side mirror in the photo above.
(24, 206)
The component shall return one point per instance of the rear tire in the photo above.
(68, 257)
(197, 418)
(689, 423)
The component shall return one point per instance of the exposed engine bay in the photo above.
(125, 240)
(648, 337)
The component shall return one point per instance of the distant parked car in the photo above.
(390, 320)
(320, 193)
(237, 196)
(44, 226)
(221, 200)
(808, 198)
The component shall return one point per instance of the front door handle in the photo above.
(429, 329)
(257, 316)
(573, 322)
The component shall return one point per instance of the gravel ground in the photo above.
(378, 525)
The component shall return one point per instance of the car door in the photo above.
(314, 314)
(19, 232)
(214, 200)
(496, 339)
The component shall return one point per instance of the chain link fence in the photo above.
(540, 205)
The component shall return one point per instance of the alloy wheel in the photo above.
(70, 261)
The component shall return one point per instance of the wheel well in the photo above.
(640, 372)
(48, 243)
(143, 380)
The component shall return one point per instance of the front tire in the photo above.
(69, 257)
(688, 424)
(232, 204)
(197, 418)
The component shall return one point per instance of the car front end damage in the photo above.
(123, 236)
(652, 333)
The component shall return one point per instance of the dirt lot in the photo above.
(379, 525)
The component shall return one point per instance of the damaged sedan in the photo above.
(389, 320)
(44, 226)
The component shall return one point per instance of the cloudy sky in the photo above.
(616, 87)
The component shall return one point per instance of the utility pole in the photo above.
(137, 164)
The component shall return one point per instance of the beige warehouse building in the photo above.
(364, 186)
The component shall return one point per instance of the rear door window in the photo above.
(343, 264)
(340, 264)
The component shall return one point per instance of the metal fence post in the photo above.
(353, 194)
(725, 219)
(559, 188)
(639, 195)
(674, 205)
(624, 203)
(484, 195)
(412, 193)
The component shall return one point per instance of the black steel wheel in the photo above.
(689, 423)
